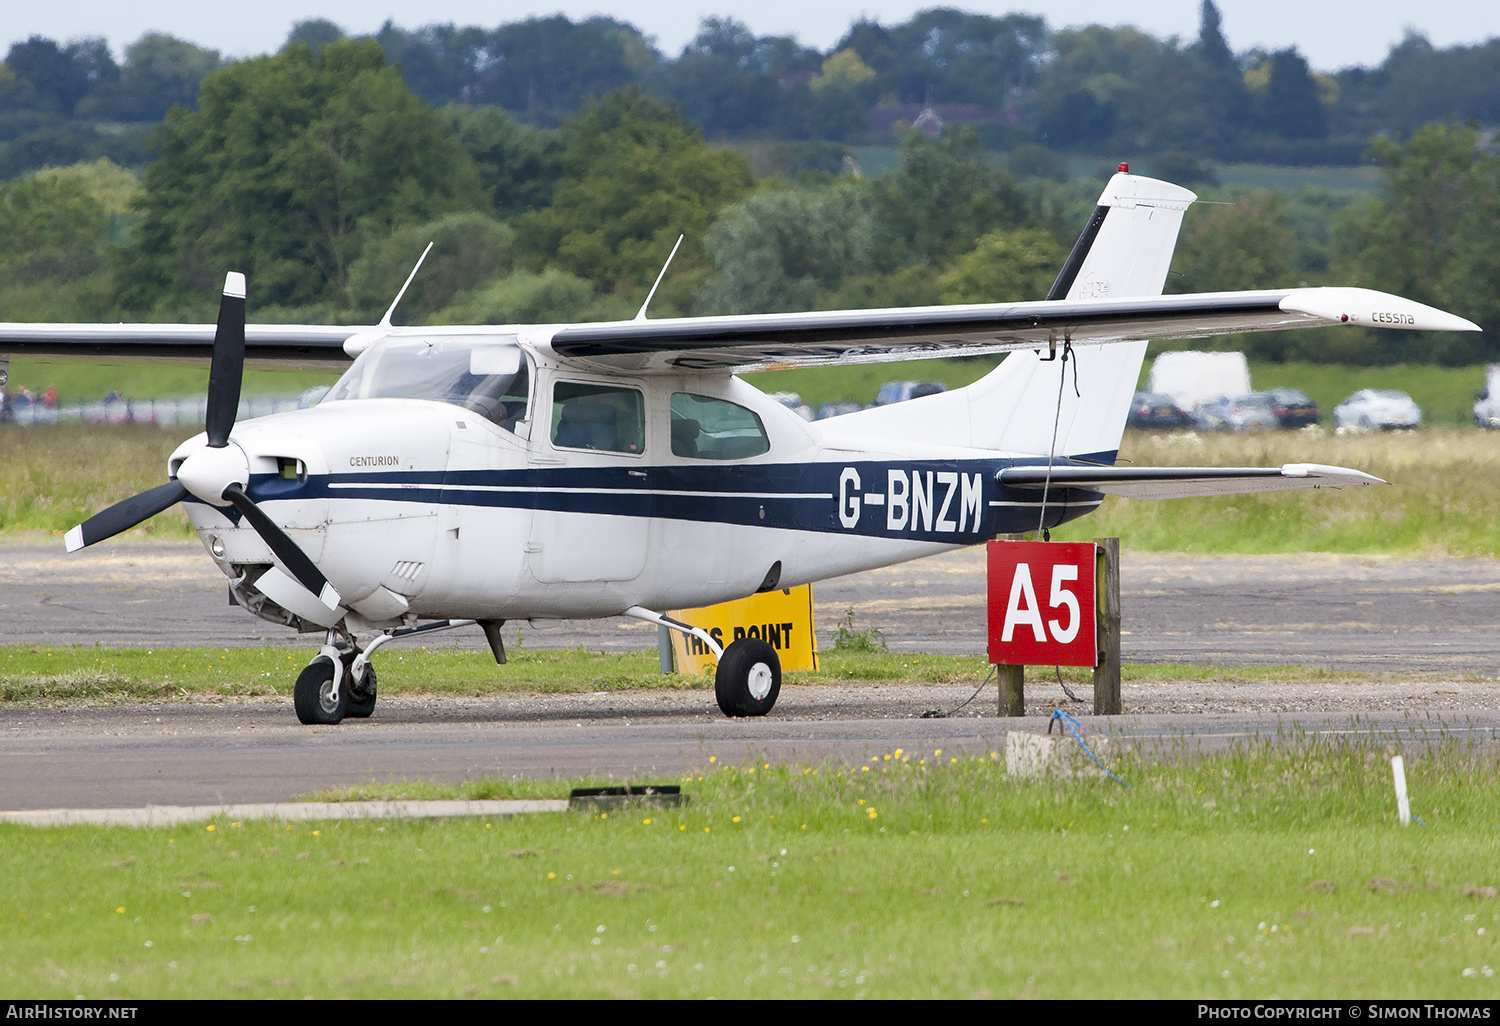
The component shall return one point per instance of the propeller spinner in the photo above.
(220, 472)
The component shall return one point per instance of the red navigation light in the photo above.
(1124, 168)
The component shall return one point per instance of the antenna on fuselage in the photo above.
(385, 322)
(642, 315)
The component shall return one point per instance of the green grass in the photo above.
(63, 674)
(52, 478)
(84, 379)
(1272, 871)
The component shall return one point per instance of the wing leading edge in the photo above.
(315, 343)
(1184, 482)
(761, 341)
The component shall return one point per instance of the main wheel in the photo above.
(313, 695)
(361, 702)
(748, 679)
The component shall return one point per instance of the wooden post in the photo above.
(1107, 594)
(1012, 698)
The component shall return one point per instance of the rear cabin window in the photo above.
(715, 429)
(600, 417)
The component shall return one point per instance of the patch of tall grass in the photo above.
(1443, 498)
(54, 477)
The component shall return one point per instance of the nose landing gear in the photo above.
(341, 682)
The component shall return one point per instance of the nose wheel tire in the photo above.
(313, 695)
(748, 679)
(361, 701)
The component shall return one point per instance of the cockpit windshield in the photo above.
(487, 376)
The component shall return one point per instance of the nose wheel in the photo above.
(316, 696)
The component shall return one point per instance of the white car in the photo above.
(1377, 408)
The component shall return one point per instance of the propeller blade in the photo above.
(122, 516)
(228, 367)
(292, 557)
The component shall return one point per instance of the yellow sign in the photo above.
(782, 618)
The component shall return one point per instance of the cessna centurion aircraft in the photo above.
(463, 475)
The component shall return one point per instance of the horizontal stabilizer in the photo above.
(1185, 482)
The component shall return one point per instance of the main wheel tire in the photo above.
(361, 702)
(313, 695)
(748, 679)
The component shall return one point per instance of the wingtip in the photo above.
(74, 539)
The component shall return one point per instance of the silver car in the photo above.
(1377, 408)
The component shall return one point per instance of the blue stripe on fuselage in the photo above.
(956, 501)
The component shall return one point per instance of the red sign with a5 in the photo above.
(1042, 610)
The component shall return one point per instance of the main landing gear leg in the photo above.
(341, 682)
(748, 679)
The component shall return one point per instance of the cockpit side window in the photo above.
(704, 428)
(601, 417)
(488, 377)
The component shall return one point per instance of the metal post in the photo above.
(1107, 594)
(1012, 696)
(664, 647)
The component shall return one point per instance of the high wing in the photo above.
(761, 341)
(311, 343)
(1183, 482)
(764, 341)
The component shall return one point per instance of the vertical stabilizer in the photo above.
(1124, 252)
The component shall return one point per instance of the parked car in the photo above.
(1487, 400)
(793, 402)
(1377, 408)
(900, 391)
(836, 410)
(1293, 409)
(1156, 410)
(1252, 411)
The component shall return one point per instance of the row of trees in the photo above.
(1096, 89)
(323, 176)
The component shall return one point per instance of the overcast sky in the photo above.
(1331, 35)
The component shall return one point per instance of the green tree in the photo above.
(518, 165)
(941, 198)
(635, 175)
(1246, 244)
(50, 228)
(161, 71)
(1006, 266)
(290, 164)
(1434, 236)
(468, 250)
(781, 248)
(524, 297)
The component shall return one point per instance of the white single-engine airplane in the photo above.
(462, 475)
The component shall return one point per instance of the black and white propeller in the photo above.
(219, 472)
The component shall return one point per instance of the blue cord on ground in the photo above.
(1072, 724)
